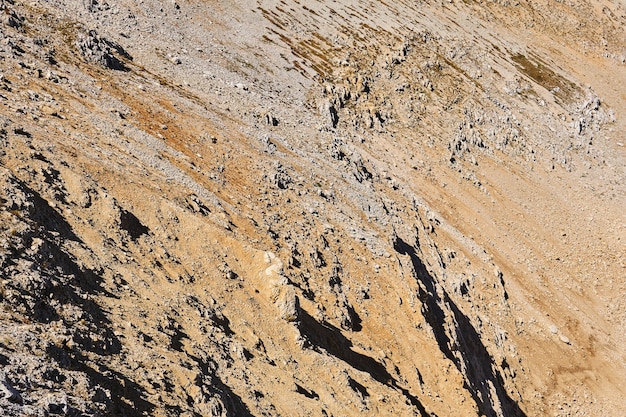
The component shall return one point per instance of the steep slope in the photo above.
(313, 208)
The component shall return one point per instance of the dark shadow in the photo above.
(52, 177)
(59, 276)
(351, 320)
(216, 317)
(221, 321)
(357, 387)
(304, 289)
(58, 281)
(232, 402)
(431, 302)
(355, 319)
(309, 394)
(127, 397)
(118, 64)
(176, 339)
(45, 216)
(130, 223)
(20, 131)
(329, 338)
(108, 53)
(470, 356)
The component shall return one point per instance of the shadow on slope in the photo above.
(232, 403)
(127, 397)
(328, 337)
(470, 355)
(51, 285)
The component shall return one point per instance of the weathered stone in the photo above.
(288, 304)
(102, 51)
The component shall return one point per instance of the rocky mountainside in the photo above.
(313, 208)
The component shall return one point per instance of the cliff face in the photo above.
(320, 208)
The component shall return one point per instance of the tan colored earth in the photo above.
(313, 208)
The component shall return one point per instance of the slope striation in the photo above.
(312, 208)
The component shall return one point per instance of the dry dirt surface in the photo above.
(313, 208)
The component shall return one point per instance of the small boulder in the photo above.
(282, 294)
(288, 304)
